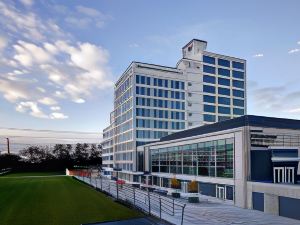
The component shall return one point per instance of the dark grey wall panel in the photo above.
(229, 192)
(289, 207)
(261, 165)
(207, 189)
(258, 201)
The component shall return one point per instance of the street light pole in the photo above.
(8, 149)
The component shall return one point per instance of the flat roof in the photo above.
(247, 120)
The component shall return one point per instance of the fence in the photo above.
(146, 201)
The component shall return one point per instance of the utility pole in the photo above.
(7, 141)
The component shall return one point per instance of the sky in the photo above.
(60, 59)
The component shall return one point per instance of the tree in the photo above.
(81, 153)
(33, 154)
(62, 152)
(9, 161)
(95, 155)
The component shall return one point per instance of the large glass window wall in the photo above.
(212, 159)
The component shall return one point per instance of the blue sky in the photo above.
(59, 59)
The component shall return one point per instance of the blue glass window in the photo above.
(177, 105)
(166, 83)
(209, 108)
(209, 118)
(208, 98)
(137, 90)
(238, 65)
(238, 84)
(182, 85)
(224, 110)
(209, 69)
(224, 72)
(177, 84)
(224, 62)
(224, 91)
(209, 89)
(148, 80)
(223, 81)
(137, 79)
(238, 74)
(238, 102)
(208, 59)
(237, 111)
(155, 81)
(142, 80)
(142, 89)
(209, 79)
(160, 103)
(160, 82)
(177, 94)
(166, 93)
(238, 93)
(224, 100)
(160, 92)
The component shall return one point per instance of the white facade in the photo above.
(152, 101)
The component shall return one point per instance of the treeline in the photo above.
(60, 157)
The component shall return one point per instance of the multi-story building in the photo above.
(252, 161)
(152, 101)
(107, 147)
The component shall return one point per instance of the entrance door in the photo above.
(279, 175)
(289, 174)
(221, 192)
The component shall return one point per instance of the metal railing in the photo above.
(151, 203)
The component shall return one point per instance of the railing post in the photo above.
(134, 196)
(101, 182)
(149, 202)
(182, 214)
(159, 207)
(117, 190)
(173, 207)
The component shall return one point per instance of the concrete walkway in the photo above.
(212, 211)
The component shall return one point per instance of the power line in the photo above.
(38, 137)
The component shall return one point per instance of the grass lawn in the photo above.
(55, 201)
(23, 174)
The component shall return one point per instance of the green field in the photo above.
(55, 201)
(24, 174)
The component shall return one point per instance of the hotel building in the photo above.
(153, 101)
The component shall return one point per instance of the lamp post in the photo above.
(8, 147)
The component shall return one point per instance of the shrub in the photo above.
(175, 183)
(193, 186)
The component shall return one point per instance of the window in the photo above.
(190, 94)
(209, 69)
(238, 102)
(209, 108)
(238, 74)
(238, 84)
(190, 124)
(224, 110)
(137, 79)
(209, 118)
(148, 81)
(190, 114)
(142, 80)
(209, 89)
(209, 99)
(224, 100)
(238, 65)
(189, 84)
(177, 84)
(208, 59)
(224, 91)
(160, 82)
(224, 72)
(222, 118)
(238, 93)
(209, 79)
(224, 62)
(237, 111)
(223, 81)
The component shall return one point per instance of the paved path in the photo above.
(216, 212)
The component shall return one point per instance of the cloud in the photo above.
(259, 55)
(55, 108)
(294, 51)
(3, 42)
(47, 101)
(296, 110)
(27, 2)
(45, 64)
(298, 42)
(57, 115)
(88, 17)
(32, 107)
